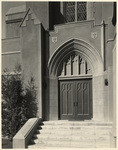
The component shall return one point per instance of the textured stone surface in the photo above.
(73, 134)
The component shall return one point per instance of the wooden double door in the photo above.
(76, 99)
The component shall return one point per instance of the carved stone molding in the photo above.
(89, 53)
(94, 35)
(74, 65)
(54, 39)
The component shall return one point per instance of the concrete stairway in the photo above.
(72, 134)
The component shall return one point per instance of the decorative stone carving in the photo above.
(75, 65)
(54, 39)
(79, 47)
(94, 35)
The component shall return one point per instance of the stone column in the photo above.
(53, 98)
(98, 98)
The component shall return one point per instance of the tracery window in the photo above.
(75, 65)
(75, 11)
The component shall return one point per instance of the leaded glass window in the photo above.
(75, 11)
(81, 11)
(70, 11)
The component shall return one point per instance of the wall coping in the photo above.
(16, 10)
(77, 23)
(22, 137)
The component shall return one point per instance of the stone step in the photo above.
(72, 134)
(78, 123)
(77, 144)
(71, 137)
(70, 127)
(67, 147)
(74, 131)
(70, 143)
(47, 131)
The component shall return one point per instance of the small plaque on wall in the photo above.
(54, 39)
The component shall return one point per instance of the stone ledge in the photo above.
(23, 136)
(16, 10)
(14, 20)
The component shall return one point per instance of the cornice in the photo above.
(14, 21)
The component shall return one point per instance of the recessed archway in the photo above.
(80, 47)
(91, 55)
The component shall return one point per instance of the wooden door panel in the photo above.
(79, 98)
(66, 99)
(76, 99)
(70, 102)
(86, 98)
(83, 98)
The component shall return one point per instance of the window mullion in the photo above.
(75, 11)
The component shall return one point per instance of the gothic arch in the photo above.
(80, 47)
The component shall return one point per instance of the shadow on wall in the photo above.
(55, 16)
(114, 14)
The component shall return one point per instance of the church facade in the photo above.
(70, 49)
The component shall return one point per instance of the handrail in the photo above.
(23, 136)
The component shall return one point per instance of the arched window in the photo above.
(75, 11)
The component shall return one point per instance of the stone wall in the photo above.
(11, 53)
(41, 10)
(32, 46)
(98, 99)
(114, 108)
(53, 98)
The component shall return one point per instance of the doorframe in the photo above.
(79, 77)
(87, 76)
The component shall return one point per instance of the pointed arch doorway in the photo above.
(69, 55)
(75, 88)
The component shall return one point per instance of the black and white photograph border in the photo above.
(58, 74)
